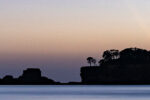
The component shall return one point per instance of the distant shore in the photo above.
(130, 66)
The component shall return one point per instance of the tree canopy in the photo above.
(126, 56)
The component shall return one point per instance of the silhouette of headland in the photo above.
(30, 76)
(129, 66)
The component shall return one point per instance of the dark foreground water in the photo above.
(75, 92)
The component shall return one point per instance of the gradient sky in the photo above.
(57, 35)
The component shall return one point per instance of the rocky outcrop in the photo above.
(33, 76)
(30, 76)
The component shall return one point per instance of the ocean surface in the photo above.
(79, 92)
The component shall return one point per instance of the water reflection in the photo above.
(75, 92)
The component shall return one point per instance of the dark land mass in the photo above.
(130, 66)
(31, 76)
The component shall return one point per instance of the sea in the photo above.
(75, 92)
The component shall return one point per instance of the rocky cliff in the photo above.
(116, 74)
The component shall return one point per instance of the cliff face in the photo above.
(116, 74)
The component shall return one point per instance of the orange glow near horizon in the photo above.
(69, 30)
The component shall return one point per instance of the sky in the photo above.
(58, 35)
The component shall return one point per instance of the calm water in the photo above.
(75, 92)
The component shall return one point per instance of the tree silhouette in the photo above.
(101, 62)
(90, 60)
(126, 56)
(114, 54)
(107, 55)
(94, 61)
(134, 55)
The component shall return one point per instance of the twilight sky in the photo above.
(57, 35)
